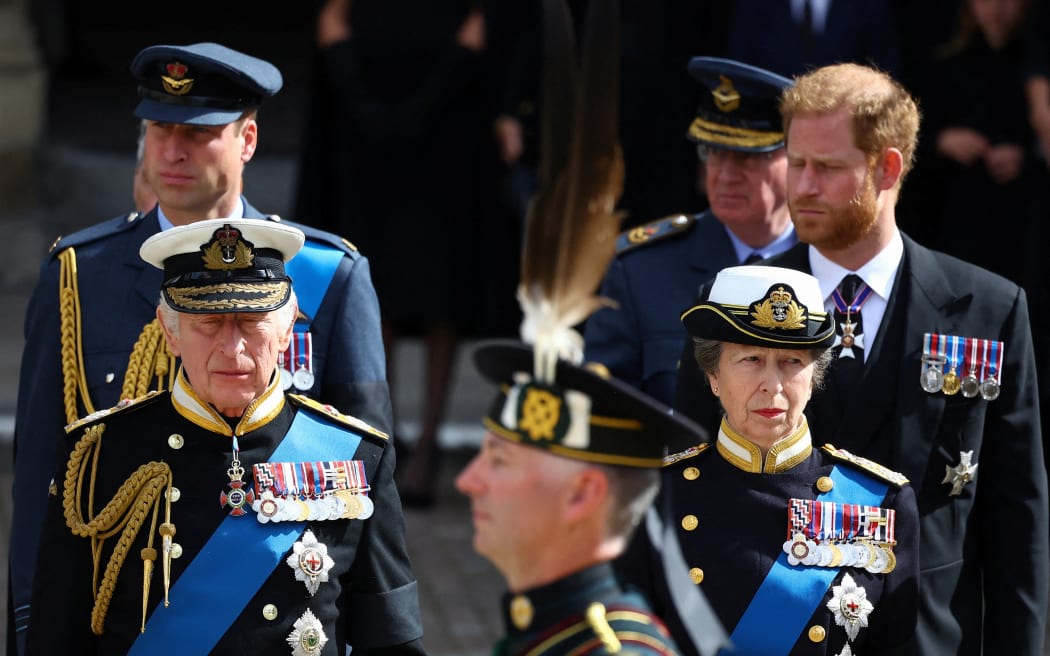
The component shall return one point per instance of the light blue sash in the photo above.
(238, 558)
(312, 271)
(789, 596)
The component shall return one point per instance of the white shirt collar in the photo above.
(878, 273)
(782, 243)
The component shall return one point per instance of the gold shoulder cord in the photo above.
(125, 513)
(70, 327)
(600, 625)
(150, 358)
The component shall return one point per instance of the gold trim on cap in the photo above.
(703, 130)
(185, 297)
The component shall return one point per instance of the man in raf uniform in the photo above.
(566, 470)
(933, 375)
(660, 266)
(263, 522)
(90, 336)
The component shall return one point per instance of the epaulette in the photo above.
(875, 469)
(315, 235)
(676, 224)
(334, 415)
(124, 404)
(691, 452)
(95, 232)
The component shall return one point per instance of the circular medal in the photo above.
(286, 378)
(970, 386)
(367, 506)
(931, 379)
(951, 383)
(990, 389)
(353, 506)
(303, 379)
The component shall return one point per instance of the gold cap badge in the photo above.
(726, 96)
(175, 82)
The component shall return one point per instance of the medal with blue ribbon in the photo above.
(951, 382)
(848, 339)
(993, 363)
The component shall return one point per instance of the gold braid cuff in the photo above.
(73, 377)
(140, 495)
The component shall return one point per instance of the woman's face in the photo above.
(998, 20)
(764, 391)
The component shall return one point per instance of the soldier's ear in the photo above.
(250, 134)
(586, 495)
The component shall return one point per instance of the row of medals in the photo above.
(933, 380)
(336, 504)
(875, 558)
(302, 379)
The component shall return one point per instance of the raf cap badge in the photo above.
(726, 96)
(175, 82)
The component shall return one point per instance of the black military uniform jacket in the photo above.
(730, 510)
(584, 613)
(369, 600)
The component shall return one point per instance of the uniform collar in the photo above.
(540, 607)
(786, 453)
(258, 413)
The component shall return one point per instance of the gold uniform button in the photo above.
(817, 633)
(270, 612)
(175, 441)
(176, 550)
(697, 575)
(824, 484)
(690, 522)
(691, 473)
(175, 494)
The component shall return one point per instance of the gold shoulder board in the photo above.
(875, 469)
(691, 452)
(120, 407)
(335, 415)
(674, 224)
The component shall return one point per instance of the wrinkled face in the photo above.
(195, 169)
(514, 492)
(229, 359)
(763, 391)
(745, 188)
(831, 188)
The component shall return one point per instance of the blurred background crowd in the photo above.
(414, 124)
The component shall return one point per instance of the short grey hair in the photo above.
(632, 490)
(286, 314)
(708, 352)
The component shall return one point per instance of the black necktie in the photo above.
(752, 258)
(850, 342)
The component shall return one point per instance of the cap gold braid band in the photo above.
(709, 131)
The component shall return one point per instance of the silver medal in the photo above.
(932, 378)
(310, 562)
(303, 379)
(990, 389)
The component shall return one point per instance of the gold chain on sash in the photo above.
(125, 513)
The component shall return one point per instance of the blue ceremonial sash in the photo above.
(312, 271)
(788, 596)
(241, 554)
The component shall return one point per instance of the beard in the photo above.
(843, 226)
